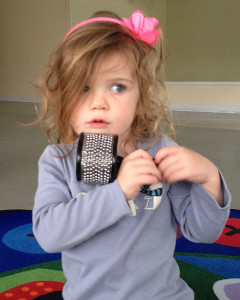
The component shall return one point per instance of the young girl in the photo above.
(117, 240)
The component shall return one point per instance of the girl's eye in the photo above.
(117, 88)
(86, 89)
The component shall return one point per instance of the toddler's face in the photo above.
(109, 101)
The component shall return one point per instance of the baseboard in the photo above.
(210, 108)
(182, 107)
(8, 98)
(210, 83)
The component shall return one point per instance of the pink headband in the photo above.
(141, 27)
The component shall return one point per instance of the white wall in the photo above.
(29, 30)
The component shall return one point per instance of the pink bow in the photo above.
(143, 28)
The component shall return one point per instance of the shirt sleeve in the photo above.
(61, 220)
(201, 218)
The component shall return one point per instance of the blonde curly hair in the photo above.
(71, 65)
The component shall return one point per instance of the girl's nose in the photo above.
(99, 101)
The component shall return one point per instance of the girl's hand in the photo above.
(137, 169)
(179, 163)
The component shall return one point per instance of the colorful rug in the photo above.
(27, 272)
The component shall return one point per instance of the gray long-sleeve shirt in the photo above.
(112, 249)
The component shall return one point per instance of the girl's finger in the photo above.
(164, 152)
(173, 175)
(168, 162)
(139, 154)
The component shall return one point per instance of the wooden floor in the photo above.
(215, 135)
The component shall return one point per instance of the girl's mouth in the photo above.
(98, 123)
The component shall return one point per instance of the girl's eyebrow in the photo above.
(121, 79)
